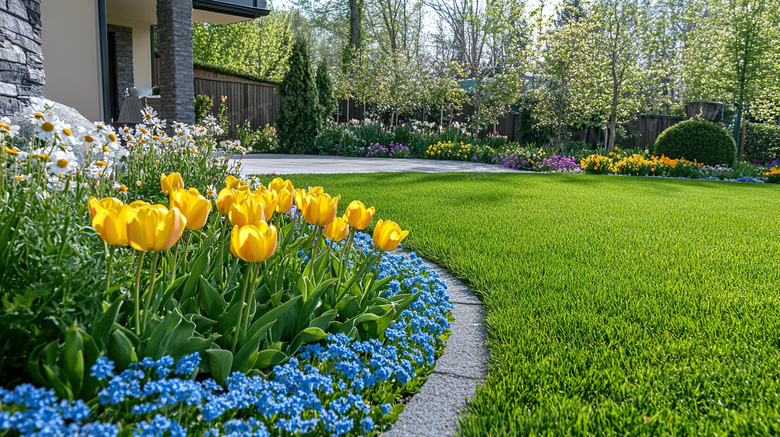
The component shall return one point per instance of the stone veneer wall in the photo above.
(21, 61)
(174, 42)
(123, 59)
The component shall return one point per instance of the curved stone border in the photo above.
(434, 411)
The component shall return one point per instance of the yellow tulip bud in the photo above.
(111, 225)
(268, 200)
(154, 227)
(171, 183)
(337, 230)
(233, 182)
(358, 216)
(278, 185)
(248, 212)
(226, 199)
(195, 207)
(300, 193)
(253, 243)
(387, 235)
(96, 206)
(320, 209)
(284, 200)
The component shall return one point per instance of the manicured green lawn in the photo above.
(615, 305)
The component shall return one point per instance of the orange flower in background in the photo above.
(387, 235)
(358, 215)
(337, 230)
(195, 207)
(253, 243)
(319, 209)
(170, 183)
(154, 227)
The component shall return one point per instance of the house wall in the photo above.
(21, 64)
(142, 51)
(71, 55)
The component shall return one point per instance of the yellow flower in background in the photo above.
(154, 227)
(320, 209)
(338, 229)
(96, 206)
(358, 215)
(253, 243)
(195, 207)
(284, 200)
(247, 212)
(387, 235)
(225, 199)
(278, 185)
(111, 225)
(171, 183)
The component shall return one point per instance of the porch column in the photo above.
(174, 42)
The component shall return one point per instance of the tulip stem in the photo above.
(317, 241)
(109, 265)
(221, 252)
(137, 296)
(153, 276)
(247, 274)
(345, 258)
(186, 248)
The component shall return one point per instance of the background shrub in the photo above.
(299, 117)
(700, 140)
(762, 142)
(202, 106)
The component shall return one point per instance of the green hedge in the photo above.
(762, 142)
(700, 140)
(214, 68)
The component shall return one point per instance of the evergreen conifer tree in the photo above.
(299, 114)
(328, 103)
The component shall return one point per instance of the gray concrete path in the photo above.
(434, 411)
(295, 164)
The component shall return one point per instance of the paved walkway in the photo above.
(296, 164)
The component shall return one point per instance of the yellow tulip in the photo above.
(171, 183)
(253, 243)
(248, 212)
(387, 235)
(284, 200)
(269, 201)
(359, 217)
(154, 227)
(195, 207)
(225, 199)
(278, 185)
(300, 193)
(111, 225)
(338, 229)
(320, 209)
(233, 182)
(96, 206)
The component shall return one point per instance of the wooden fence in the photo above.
(651, 126)
(247, 100)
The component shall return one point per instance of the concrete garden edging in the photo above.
(434, 411)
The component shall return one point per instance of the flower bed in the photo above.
(143, 311)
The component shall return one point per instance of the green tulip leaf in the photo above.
(220, 362)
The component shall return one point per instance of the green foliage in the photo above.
(233, 45)
(762, 142)
(203, 105)
(215, 68)
(299, 118)
(696, 139)
(327, 101)
(617, 306)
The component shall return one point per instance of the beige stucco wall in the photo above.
(142, 50)
(71, 53)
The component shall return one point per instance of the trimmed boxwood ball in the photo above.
(696, 139)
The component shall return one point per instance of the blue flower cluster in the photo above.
(336, 388)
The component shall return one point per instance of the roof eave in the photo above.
(223, 7)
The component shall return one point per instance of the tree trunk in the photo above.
(738, 124)
(742, 143)
(347, 120)
(441, 117)
(354, 25)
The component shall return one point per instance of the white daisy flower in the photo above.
(46, 126)
(62, 162)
